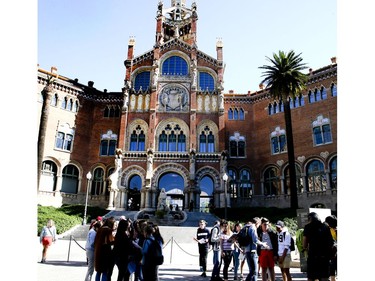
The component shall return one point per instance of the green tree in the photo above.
(284, 79)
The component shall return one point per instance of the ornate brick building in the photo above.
(172, 126)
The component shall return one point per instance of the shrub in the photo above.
(66, 217)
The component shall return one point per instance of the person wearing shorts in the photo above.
(268, 255)
(47, 236)
(284, 250)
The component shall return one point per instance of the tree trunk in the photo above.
(291, 158)
(43, 127)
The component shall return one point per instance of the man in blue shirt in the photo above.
(251, 249)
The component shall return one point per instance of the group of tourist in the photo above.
(125, 244)
(268, 247)
(111, 243)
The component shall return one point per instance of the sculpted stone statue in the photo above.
(162, 201)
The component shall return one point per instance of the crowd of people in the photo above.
(123, 243)
(127, 245)
(269, 246)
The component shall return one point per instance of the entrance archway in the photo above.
(134, 193)
(206, 185)
(173, 183)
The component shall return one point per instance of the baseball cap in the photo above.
(280, 224)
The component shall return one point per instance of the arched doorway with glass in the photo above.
(173, 184)
(134, 193)
(206, 185)
(48, 177)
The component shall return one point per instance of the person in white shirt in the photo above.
(283, 237)
(90, 249)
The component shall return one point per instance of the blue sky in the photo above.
(88, 39)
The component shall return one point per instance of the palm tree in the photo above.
(285, 80)
(46, 93)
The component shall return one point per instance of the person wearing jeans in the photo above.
(251, 249)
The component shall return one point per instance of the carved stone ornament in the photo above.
(280, 162)
(324, 154)
(301, 158)
(173, 98)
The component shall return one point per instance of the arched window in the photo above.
(322, 131)
(323, 93)
(137, 140)
(64, 137)
(245, 185)
(181, 142)
(230, 114)
(299, 180)
(333, 90)
(235, 114)
(142, 81)
(206, 140)
(270, 110)
(237, 145)
(48, 176)
(70, 175)
(163, 141)
(232, 183)
(54, 100)
(172, 139)
(333, 173)
(271, 182)
(318, 95)
(175, 66)
(241, 114)
(64, 103)
(206, 82)
(311, 97)
(108, 143)
(316, 178)
(206, 185)
(70, 105)
(278, 141)
(75, 106)
(97, 182)
(134, 193)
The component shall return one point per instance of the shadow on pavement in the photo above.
(65, 263)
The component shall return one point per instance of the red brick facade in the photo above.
(176, 102)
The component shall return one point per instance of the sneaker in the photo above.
(204, 274)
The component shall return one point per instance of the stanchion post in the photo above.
(70, 242)
(170, 258)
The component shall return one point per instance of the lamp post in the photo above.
(88, 176)
(225, 178)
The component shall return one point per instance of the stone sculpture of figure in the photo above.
(192, 163)
(113, 179)
(221, 101)
(223, 162)
(162, 201)
(150, 160)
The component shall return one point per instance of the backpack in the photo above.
(210, 242)
(243, 237)
(155, 253)
(292, 246)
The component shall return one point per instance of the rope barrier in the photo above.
(171, 241)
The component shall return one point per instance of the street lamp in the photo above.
(88, 176)
(225, 178)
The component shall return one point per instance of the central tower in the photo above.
(172, 122)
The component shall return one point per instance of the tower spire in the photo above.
(177, 21)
